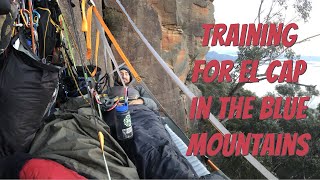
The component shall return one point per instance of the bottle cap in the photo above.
(122, 108)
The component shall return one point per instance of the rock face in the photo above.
(174, 29)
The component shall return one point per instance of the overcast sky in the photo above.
(245, 11)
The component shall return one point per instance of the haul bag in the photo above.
(48, 33)
(27, 87)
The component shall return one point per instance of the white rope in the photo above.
(185, 89)
(116, 69)
(106, 165)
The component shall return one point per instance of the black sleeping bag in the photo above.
(151, 148)
(26, 90)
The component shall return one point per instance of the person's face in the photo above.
(125, 76)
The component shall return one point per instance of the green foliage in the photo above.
(296, 90)
(303, 8)
(285, 90)
(282, 166)
(216, 90)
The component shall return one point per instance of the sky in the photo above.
(245, 11)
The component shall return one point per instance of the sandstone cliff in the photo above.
(174, 29)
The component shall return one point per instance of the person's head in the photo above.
(125, 74)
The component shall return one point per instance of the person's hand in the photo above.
(136, 101)
(120, 104)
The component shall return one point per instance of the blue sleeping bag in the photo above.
(151, 148)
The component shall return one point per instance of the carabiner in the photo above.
(36, 18)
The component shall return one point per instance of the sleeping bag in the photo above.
(70, 138)
(25, 166)
(151, 148)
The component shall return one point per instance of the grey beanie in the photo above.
(123, 68)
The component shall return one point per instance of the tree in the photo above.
(283, 166)
(275, 12)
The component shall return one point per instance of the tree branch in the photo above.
(276, 13)
(303, 40)
(310, 37)
(312, 86)
(238, 86)
(271, 8)
(291, 20)
(259, 11)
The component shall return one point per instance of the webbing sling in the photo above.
(84, 25)
(215, 122)
(88, 33)
(116, 45)
(89, 42)
(107, 50)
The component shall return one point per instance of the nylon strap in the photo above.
(84, 25)
(116, 45)
(108, 51)
(88, 33)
